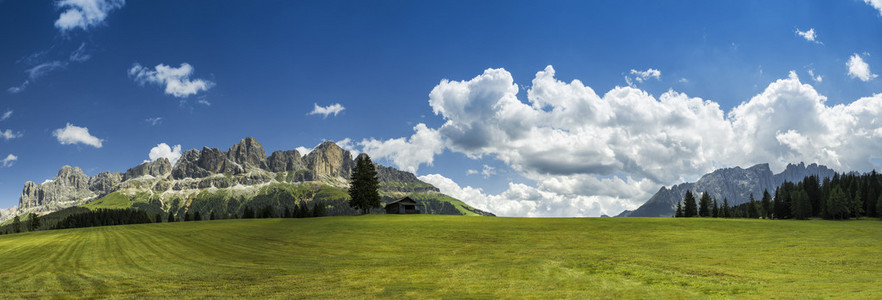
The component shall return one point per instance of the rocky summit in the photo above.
(243, 166)
(735, 184)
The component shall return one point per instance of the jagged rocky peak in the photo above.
(281, 161)
(329, 159)
(156, 168)
(70, 185)
(105, 182)
(248, 153)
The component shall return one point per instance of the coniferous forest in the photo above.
(841, 197)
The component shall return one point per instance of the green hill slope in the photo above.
(449, 257)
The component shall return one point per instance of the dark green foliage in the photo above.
(679, 213)
(248, 213)
(725, 211)
(33, 222)
(879, 206)
(766, 205)
(171, 217)
(690, 208)
(704, 205)
(104, 217)
(16, 225)
(363, 186)
(187, 217)
(287, 213)
(837, 207)
(158, 218)
(802, 206)
(213, 216)
(319, 210)
(197, 216)
(266, 212)
(752, 209)
(716, 210)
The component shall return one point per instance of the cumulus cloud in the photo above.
(8, 134)
(859, 69)
(163, 150)
(877, 4)
(590, 154)
(332, 109)
(641, 76)
(407, 153)
(5, 116)
(8, 161)
(488, 171)
(84, 14)
(72, 134)
(177, 81)
(808, 35)
(471, 172)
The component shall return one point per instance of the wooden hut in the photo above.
(403, 206)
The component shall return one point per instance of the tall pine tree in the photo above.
(767, 204)
(679, 213)
(690, 209)
(363, 185)
(704, 203)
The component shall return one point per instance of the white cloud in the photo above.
(80, 54)
(303, 150)
(154, 121)
(877, 4)
(84, 14)
(808, 35)
(8, 161)
(641, 76)
(36, 72)
(8, 134)
(683, 80)
(407, 154)
(163, 150)
(816, 78)
(334, 109)
(5, 116)
(72, 134)
(590, 154)
(177, 81)
(488, 171)
(348, 145)
(859, 69)
(471, 172)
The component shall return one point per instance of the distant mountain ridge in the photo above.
(245, 165)
(735, 184)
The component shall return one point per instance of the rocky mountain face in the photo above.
(244, 164)
(735, 184)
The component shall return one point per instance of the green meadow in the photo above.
(430, 256)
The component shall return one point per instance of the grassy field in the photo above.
(450, 257)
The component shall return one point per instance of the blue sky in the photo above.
(760, 81)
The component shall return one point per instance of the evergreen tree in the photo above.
(187, 217)
(287, 213)
(716, 212)
(363, 186)
(248, 213)
(837, 204)
(319, 210)
(158, 218)
(33, 222)
(690, 208)
(16, 225)
(726, 212)
(752, 211)
(704, 203)
(304, 210)
(171, 217)
(767, 205)
(679, 213)
(801, 207)
(212, 217)
(197, 216)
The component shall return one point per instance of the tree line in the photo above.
(841, 197)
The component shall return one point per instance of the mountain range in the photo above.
(735, 184)
(210, 180)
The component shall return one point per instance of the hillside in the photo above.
(735, 184)
(225, 182)
(428, 256)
